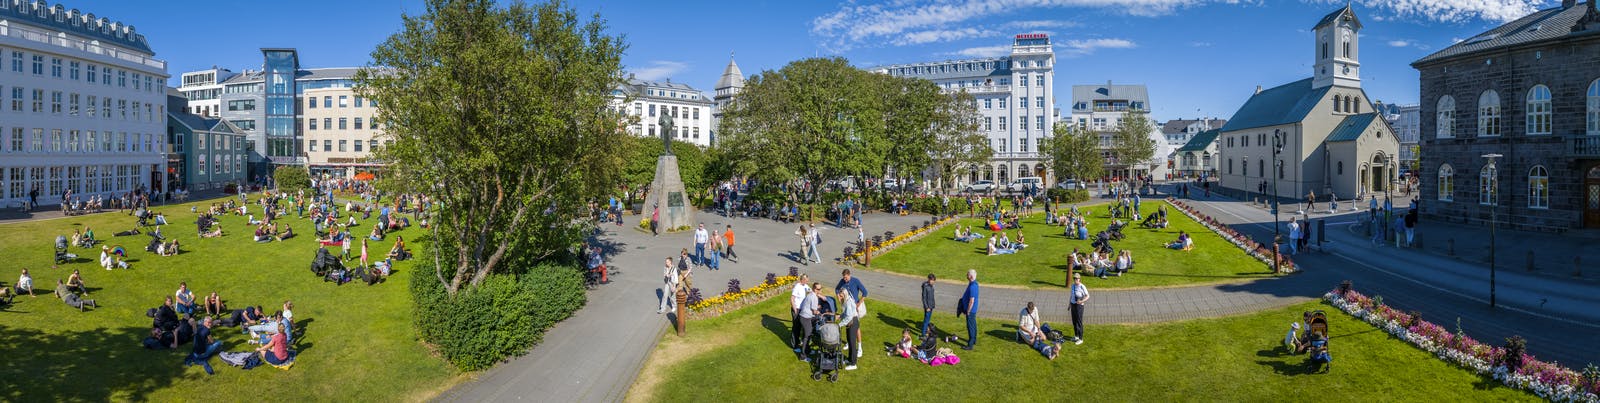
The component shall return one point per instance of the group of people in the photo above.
(810, 307)
(1000, 243)
(183, 320)
(1074, 224)
(1100, 263)
(68, 291)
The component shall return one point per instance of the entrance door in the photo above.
(1591, 198)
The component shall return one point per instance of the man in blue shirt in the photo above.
(969, 306)
(205, 346)
(858, 295)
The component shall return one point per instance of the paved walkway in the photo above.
(596, 354)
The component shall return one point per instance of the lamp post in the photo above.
(1494, 181)
(1278, 138)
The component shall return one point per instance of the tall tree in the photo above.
(501, 115)
(957, 145)
(1131, 143)
(1074, 153)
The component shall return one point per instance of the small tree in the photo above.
(1131, 143)
(292, 178)
(1073, 153)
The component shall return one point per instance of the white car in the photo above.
(981, 186)
(1024, 182)
(1068, 184)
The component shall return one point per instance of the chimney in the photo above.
(1258, 90)
(1566, 4)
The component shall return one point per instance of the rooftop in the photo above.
(1201, 140)
(1544, 25)
(1351, 128)
(59, 18)
(1283, 104)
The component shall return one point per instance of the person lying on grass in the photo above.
(288, 232)
(71, 299)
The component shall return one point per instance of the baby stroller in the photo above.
(1320, 359)
(830, 351)
(61, 255)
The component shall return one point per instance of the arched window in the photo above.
(1538, 187)
(1325, 50)
(1446, 121)
(1337, 107)
(1002, 175)
(1355, 105)
(1488, 186)
(1594, 108)
(1346, 44)
(1447, 185)
(1489, 113)
(1022, 170)
(1539, 110)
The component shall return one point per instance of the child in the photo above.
(904, 348)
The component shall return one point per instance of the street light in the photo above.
(1494, 180)
(1278, 138)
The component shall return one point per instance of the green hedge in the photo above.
(1069, 195)
(291, 178)
(504, 316)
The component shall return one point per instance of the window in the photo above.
(327, 101)
(1023, 146)
(1538, 187)
(988, 123)
(311, 103)
(358, 105)
(1341, 167)
(1594, 108)
(72, 104)
(1488, 186)
(16, 99)
(1039, 121)
(38, 100)
(38, 65)
(342, 122)
(1324, 50)
(1038, 81)
(313, 123)
(988, 103)
(1489, 114)
(1446, 120)
(1022, 102)
(1002, 103)
(344, 101)
(1023, 123)
(357, 145)
(122, 78)
(1338, 104)
(1038, 102)
(1002, 120)
(90, 77)
(327, 123)
(16, 139)
(311, 145)
(202, 163)
(37, 140)
(1261, 168)
(55, 102)
(342, 144)
(1538, 113)
(242, 105)
(1346, 44)
(55, 67)
(16, 61)
(327, 145)
(358, 124)
(372, 145)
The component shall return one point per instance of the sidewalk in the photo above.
(53, 210)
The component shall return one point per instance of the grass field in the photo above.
(743, 356)
(356, 342)
(1044, 262)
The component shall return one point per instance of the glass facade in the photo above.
(278, 79)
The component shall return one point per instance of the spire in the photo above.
(731, 76)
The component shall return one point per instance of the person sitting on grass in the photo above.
(216, 231)
(261, 234)
(71, 298)
(1021, 241)
(77, 238)
(1102, 263)
(288, 232)
(205, 346)
(398, 251)
(906, 347)
(213, 305)
(169, 249)
(1076, 261)
(248, 316)
(75, 283)
(25, 284)
(184, 299)
(377, 232)
(1183, 243)
(276, 351)
(999, 246)
(6, 295)
(1029, 330)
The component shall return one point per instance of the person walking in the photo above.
(1411, 224)
(1080, 296)
(655, 220)
(927, 304)
(700, 239)
(850, 323)
(727, 236)
(804, 255)
(969, 306)
(816, 239)
(1294, 236)
(669, 285)
(797, 298)
(858, 299)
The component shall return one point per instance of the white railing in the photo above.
(980, 89)
(80, 45)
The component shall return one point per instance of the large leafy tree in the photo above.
(1131, 143)
(956, 144)
(1073, 152)
(500, 114)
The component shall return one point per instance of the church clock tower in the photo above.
(1338, 50)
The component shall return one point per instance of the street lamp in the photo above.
(1494, 181)
(1278, 138)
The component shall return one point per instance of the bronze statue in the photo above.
(666, 133)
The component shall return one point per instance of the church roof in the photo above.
(1542, 25)
(731, 76)
(1288, 103)
(1351, 128)
(1201, 140)
(1334, 17)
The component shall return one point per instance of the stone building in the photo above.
(1528, 90)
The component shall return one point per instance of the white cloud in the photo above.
(1081, 47)
(659, 69)
(1200, 44)
(1399, 43)
(906, 22)
(984, 51)
(1452, 11)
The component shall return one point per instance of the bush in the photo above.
(502, 317)
(291, 178)
(1069, 195)
(928, 205)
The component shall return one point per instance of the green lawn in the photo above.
(743, 356)
(356, 342)
(1044, 262)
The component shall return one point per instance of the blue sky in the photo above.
(1198, 57)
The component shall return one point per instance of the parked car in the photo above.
(1069, 184)
(980, 186)
(1021, 184)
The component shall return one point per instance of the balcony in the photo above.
(80, 45)
(1584, 146)
(984, 89)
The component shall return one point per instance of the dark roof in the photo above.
(1201, 140)
(1283, 104)
(97, 28)
(1177, 125)
(1334, 17)
(1351, 128)
(1001, 66)
(1542, 25)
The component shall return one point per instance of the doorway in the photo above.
(1591, 198)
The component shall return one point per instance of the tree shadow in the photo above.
(101, 365)
(1042, 282)
(1280, 360)
(780, 328)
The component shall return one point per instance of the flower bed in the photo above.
(1547, 380)
(889, 241)
(1260, 251)
(736, 297)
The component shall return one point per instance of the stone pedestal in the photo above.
(667, 193)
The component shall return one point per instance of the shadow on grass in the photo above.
(101, 365)
(782, 329)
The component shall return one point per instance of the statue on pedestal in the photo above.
(666, 133)
(666, 191)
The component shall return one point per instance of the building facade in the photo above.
(1100, 110)
(1333, 142)
(203, 91)
(1407, 123)
(1198, 158)
(1528, 90)
(82, 105)
(1177, 132)
(339, 127)
(647, 101)
(1015, 101)
(207, 152)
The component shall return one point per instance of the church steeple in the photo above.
(731, 83)
(1338, 50)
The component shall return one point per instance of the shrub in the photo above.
(733, 287)
(929, 205)
(694, 297)
(1068, 195)
(1516, 346)
(502, 317)
(291, 178)
(772, 278)
(795, 271)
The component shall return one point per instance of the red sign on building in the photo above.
(1032, 36)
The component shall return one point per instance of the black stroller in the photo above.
(830, 351)
(62, 256)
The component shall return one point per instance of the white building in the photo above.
(1015, 102)
(1100, 109)
(729, 86)
(690, 110)
(1407, 123)
(82, 105)
(203, 90)
(1177, 132)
